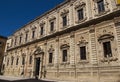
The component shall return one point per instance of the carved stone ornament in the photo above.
(52, 18)
(51, 49)
(117, 23)
(38, 51)
(34, 27)
(82, 42)
(80, 4)
(106, 36)
(23, 54)
(92, 30)
(65, 11)
(26, 30)
(64, 46)
(42, 23)
(109, 59)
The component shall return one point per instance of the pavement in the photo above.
(24, 79)
(10, 78)
(20, 79)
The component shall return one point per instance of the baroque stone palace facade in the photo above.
(76, 40)
(2, 49)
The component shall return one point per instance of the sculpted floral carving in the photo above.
(38, 51)
(80, 4)
(65, 11)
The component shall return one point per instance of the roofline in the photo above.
(45, 13)
(3, 37)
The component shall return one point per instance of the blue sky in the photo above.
(16, 13)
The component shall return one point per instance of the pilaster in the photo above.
(93, 46)
(72, 48)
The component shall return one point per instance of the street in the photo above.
(25, 80)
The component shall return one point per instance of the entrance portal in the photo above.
(37, 68)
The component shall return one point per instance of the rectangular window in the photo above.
(50, 57)
(20, 39)
(12, 59)
(8, 62)
(33, 34)
(80, 14)
(64, 55)
(100, 5)
(15, 40)
(51, 26)
(64, 20)
(17, 61)
(23, 60)
(11, 42)
(26, 37)
(41, 32)
(83, 53)
(30, 60)
(107, 49)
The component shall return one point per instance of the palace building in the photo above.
(2, 49)
(77, 40)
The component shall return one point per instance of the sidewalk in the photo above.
(10, 78)
(58, 80)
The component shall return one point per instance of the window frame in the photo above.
(101, 6)
(15, 40)
(41, 30)
(79, 12)
(64, 20)
(63, 47)
(8, 61)
(23, 60)
(50, 58)
(79, 6)
(33, 34)
(30, 59)
(17, 60)
(26, 37)
(20, 39)
(12, 60)
(64, 56)
(80, 44)
(85, 54)
(107, 38)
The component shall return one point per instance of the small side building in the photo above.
(2, 49)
